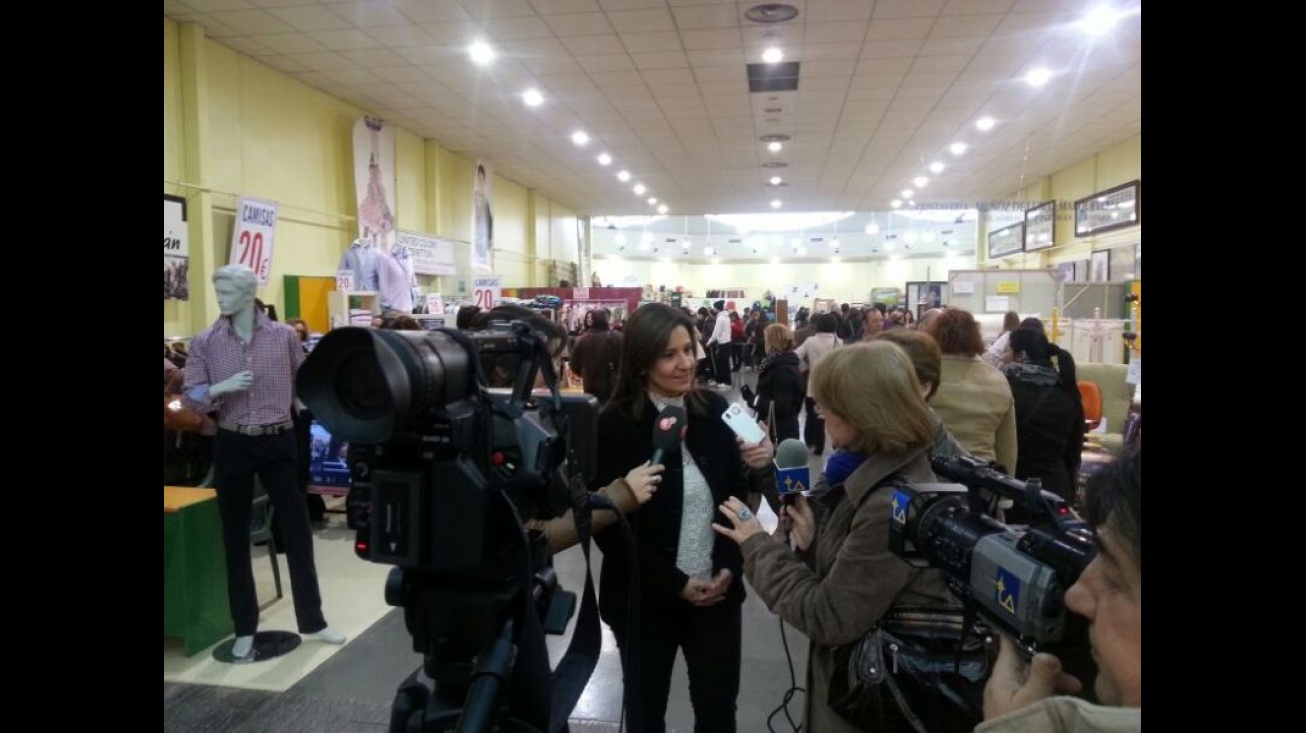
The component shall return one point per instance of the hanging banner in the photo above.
(251, 239)
(430, 255)
(482, 216)
(176, 249)
(374, 181)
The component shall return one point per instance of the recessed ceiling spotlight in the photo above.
(773, 55)
(906, 193)
(872, 228)
(662, 209)
(984, 124)
(580, 138)
(532, 97)
(709, 251)
(481, 52)
(920, 181)
(1038, 77)
(623, 176)
(639, 189)
(775, 164)
(1099, 20)
(605, 159)
(896, 203)
(774, 147)
(775, 204)
(652, 201)
(775, 181)
(937, 167)
(771, 13)
(957, 148)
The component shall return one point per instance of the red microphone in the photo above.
(668, 430)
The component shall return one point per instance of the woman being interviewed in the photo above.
(689, 588)
(844, 579)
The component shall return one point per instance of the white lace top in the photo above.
(694, 554)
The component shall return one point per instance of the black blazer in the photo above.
(781, 383)
(624, 443)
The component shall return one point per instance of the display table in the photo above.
(194, 569)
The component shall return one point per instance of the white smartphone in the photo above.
(741, 421)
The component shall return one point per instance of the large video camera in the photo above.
(1015, 578)
(444, 469)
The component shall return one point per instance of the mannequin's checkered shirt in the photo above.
(273, 354)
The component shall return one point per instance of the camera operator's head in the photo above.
(500, 369)
(1109, 593)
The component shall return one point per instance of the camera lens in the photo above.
(361, 388)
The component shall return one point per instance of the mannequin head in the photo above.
(234, 285)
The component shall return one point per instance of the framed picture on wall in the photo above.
(1006, 241)
(1114, 208)
(1100, 266)
(1065, 271)
(1038, 226)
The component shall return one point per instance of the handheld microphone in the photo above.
(792, 476)
(667, 431)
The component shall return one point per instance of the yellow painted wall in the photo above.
(1118, 164)
(265, 134)
(844, 281)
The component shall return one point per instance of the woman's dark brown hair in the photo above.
(644, 339)
(956, 332)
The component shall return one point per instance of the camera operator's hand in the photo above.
(237, 383)
(1016, 683)
(643, 481)
(801, 522)
(757, 455)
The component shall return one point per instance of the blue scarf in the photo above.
(841, 465)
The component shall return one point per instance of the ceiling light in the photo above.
(1099, 20)
(639, 189)
(773, 55)
(888, 246)
(1038, 77)
(937, 167)
(709, 251)
(927, 237)
(906, 193)
(662, 209)
(605, 159)
(652, 201)
(774, 147)
(647, 238)
(957, 148)
(920, 181)
(481, 52)
(775, 180)
(778, 222)
(775, 260)
(909, 237)
(620, 238)
(623, 176)
(872, 228)
(532, 97)
(775, 204)
(580, 138)
(771, 13)
(684, 243)
(984, 124)
(895, 203)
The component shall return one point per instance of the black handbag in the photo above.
(920, 669)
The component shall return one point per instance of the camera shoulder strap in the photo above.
(577, 665)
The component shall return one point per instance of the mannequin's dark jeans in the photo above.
(237, 459)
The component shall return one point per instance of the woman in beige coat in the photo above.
(843, 577)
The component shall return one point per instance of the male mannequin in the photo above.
(244, 366)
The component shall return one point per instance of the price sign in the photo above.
(345, 280)
(485, 291)
(251, 239)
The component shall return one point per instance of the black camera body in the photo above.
(1014, 578)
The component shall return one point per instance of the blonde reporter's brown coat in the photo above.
(842, 588)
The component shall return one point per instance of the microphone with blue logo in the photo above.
(792, 476)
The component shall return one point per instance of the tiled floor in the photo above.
(322, 688)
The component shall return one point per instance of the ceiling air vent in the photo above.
(775, 164)
(781, 77)
(775, 138)
(771, 13)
